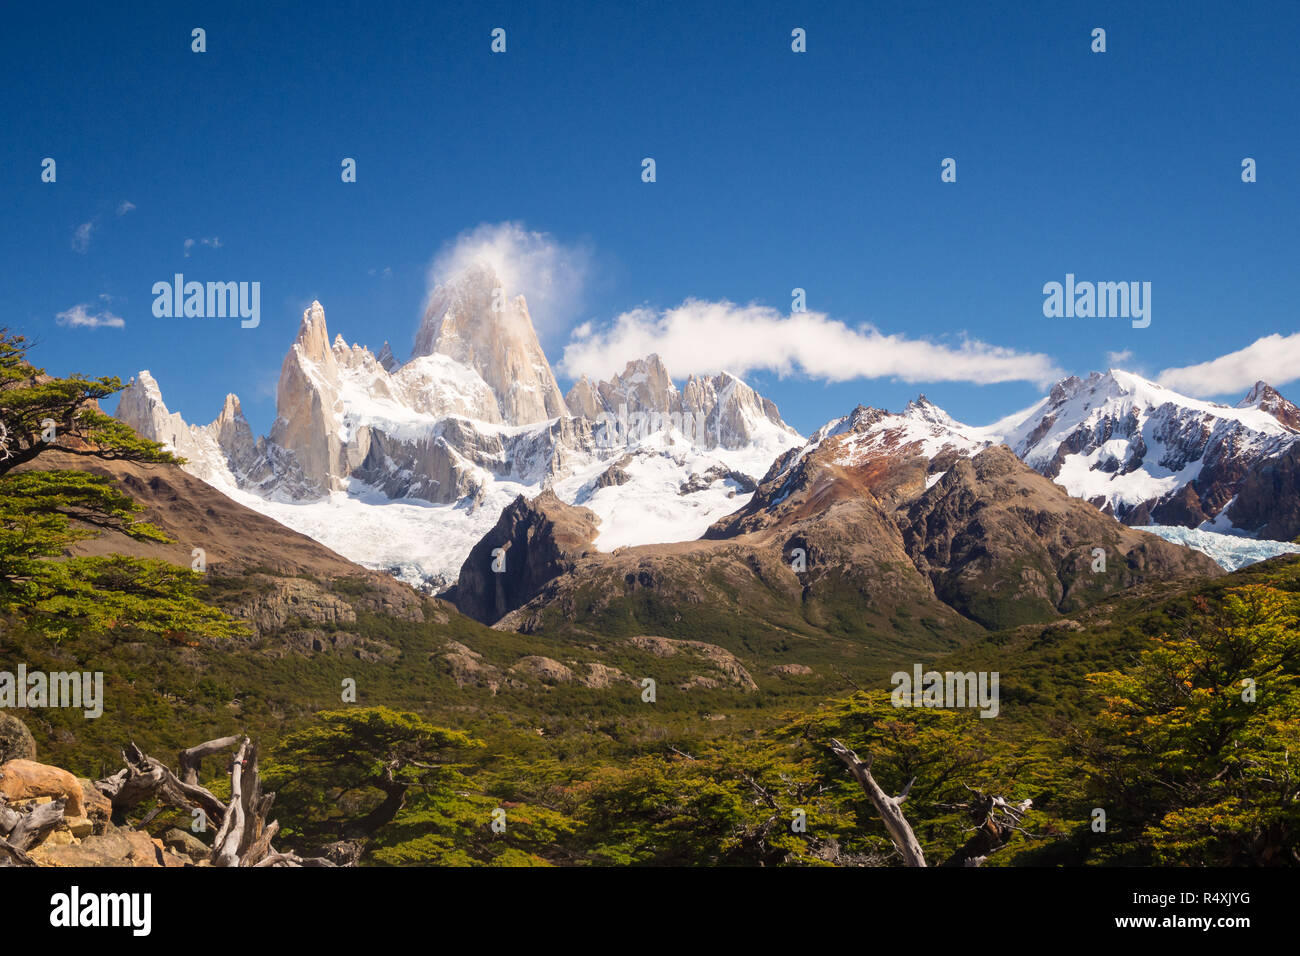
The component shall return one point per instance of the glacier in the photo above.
(1230, 551)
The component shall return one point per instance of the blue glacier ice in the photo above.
(1231, 551)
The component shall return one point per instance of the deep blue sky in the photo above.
(775, 170)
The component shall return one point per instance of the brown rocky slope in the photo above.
(889, 546)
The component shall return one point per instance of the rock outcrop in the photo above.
(473, 320)
(27, 779)
(16, 741)
(1005, 546)
(1267, 501)
(532, 543)
(882, 524)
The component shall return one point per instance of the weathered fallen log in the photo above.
(145, 778)
(244, 837)
(20, 831)
(293, 859)
(29, 829)
(12, 856)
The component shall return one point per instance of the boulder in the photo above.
(185, 844)
(98, 808)
(16, 741)
(25, 779)
(132, 848)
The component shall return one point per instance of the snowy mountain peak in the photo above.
(1258, 393)
(922, 428)
(312, 326)
(230, 410)
(473, 319)
(583, 400)
(924, 410)
(715, 412)
(212, 452)
(643, 386)
(1268, 399)
(1103, 386)
(147, 385)
(1142, 451)
(867, 434)
(387, 359)
(313, 343)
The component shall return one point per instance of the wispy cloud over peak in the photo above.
(1274, 359)
(551, 275)
(703, 337)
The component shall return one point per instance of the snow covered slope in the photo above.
(1130, 447)
(403, 467)
(1146, 453)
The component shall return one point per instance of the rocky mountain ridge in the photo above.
(403, 466)
(881, 525)
(1149, 455)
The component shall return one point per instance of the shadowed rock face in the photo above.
(1268, 499)
(1004, 546)
(540, 540)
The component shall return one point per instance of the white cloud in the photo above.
(701, 337)
(213, 243)
(1119, 359)
(81, 235)
(1274, 359)
(549, 274)
(80, 317)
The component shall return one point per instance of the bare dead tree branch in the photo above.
(996, 820)
(888, 808)
(245, 835)
(22, 831)
(190, 760)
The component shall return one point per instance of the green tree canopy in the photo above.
(1194, 753)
